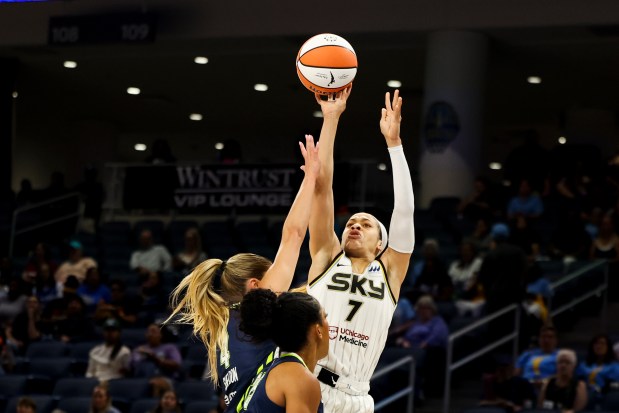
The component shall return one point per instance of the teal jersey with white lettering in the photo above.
(359, 310)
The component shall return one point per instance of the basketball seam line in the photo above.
(327, 45)
(329, 68)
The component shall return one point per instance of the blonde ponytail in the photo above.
(196, 303)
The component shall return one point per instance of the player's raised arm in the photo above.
(324, 243)
(402, 226)
(279, 277)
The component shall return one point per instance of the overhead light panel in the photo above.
(261, 87)
(534, 80)
(495, 166)
(133, 90)
(70, 64)
(195, 116)
(140, 147)
(394, 83)
(219, 146)
(201, 60)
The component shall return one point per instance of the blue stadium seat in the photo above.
(127, 390)
(53, 368)
(45, 404)
(81, 351)
(116, 233)
(74, 387)
(176, 232)
(611, 401)
(193, 391)
(11, 385)
(75, 404)
(155, 226)
(217, 234)
(45, 349)
(133, 337)
(253, 233)
(144, 406)
(200, 407)
(197, 352)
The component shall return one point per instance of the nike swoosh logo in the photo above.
(341, 265)
(334, 382)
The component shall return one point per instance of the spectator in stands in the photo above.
(564, 392)
(26, 405)
(151, 293)
(168, 403)
(122, 307)
(606, 244)
(481, 236)
(432, 278)
(40, 260)
(150, 257)
(192, 254)
(428, 329)
(506, 390)
(12, 302)
(593, 219)
(76, 265)
(109, 360)
(463, 273)
(74, 325)
(93, 194)
(92, 291)
(481, 203)
(569, 241)
(601, 367)
(45, 287)
(25, 328)
(101, 401)
(527, 161)
(502, 271)
(526, 203)
(26, 194)
(540, 363)
(156, 360)
(525, 237)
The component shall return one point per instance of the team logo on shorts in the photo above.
(333, 330)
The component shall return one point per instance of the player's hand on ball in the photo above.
(310, 154)
(390, 119)
(334, 108)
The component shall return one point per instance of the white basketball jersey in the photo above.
(359, 310)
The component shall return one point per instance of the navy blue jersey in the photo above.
(241, 363)
(257, 400)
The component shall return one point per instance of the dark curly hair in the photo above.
(284, 319)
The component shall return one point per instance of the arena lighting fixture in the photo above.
(562, 140)
(317, 114)
(201, 60)
(133, 90)
(381, 167)
(140, 147)
(219, 146)
(195, 116)
(70, 64)
(15, 94)
(261, 87)
(534, 80)
(394, 83)
(495, 166)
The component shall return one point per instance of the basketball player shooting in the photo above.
(358, 280)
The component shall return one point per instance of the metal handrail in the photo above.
(578, 273)
(50, 201)
(451, 366)
(408, 390)
(596, 291)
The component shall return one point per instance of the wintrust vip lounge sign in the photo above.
(212, 188)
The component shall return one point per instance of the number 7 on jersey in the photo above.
(355, 307)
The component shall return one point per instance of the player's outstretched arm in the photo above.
(324, 243)
(279, 277)
(402, 226)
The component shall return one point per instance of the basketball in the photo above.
(326, 64)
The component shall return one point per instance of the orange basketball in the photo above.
(326, 64)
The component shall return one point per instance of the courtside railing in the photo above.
(407, 391)
(452, 365)
(50, 220)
